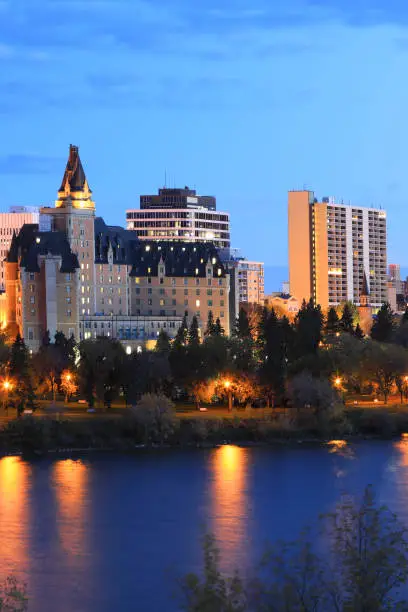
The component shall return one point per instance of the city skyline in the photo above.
(241, 101)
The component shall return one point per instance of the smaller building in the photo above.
(10, 223)
(42, 286)
(284, 304)
(180, 214)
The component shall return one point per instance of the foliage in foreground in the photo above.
(363, 569)
(13, 596)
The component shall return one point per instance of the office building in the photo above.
(332, 246)
(71, 272)
(10, 223)
(180, 214)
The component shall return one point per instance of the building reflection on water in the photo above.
(14, 513)
(230, 503)
(70, 483)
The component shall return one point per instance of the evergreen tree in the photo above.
(193, 333)
(308, 327)
(218, 329)
(181, 336)
(358, 332)
(260, 332)
(383, 327)
(404, 318)
(273, 366)
(46, 340)
(163, 343)
(347, 319)
(243, 328)
(332, 326)
(210, 331)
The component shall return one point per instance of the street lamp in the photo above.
(7, 386)
(227, 385)
(337, 382)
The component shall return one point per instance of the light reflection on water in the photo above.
(229, 501)
(14, 514)
(70, 484)
(93, 534)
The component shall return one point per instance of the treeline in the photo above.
(267, 360)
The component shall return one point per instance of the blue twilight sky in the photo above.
(243, 99)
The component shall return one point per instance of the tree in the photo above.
(20, 372)
(155, 413)
(308, 327)
(383, 326)
(384, 363)
(308, 392)
(68, 384)
(181, 336)
(13, 596)
(347, 319)
(273, 366)
(194, 333)
(219, 330)
(163, 345)
(210, 330)
(212, 592)
(101, 369)
(366, 564)
(358, 332)
(242, 328)
(332, 326)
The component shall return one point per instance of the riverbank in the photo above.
(43, 435)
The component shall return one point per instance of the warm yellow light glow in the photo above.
(227, 384)
(7, 385)
(14, 512)
(70, 485)
(230, 502)
(337, 381)
(406, 378)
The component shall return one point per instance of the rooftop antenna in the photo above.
(165, 179)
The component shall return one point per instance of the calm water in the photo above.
(113, 533)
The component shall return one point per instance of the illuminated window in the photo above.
(198, 303)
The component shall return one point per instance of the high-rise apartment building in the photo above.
(11, 223)
(332, 246)
(180, 214)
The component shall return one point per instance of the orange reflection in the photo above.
(70, 480)
(402, 446)
(230, 502)
(14, 513)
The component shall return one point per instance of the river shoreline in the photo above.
(37, 436)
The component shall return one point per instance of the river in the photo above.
(113, 533)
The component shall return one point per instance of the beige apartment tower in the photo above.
(331, 247)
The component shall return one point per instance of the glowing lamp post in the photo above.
(227, 385)
(7, 386)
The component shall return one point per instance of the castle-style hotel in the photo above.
(73, 273)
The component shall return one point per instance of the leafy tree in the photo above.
(212, 592)
(20, 372)
(384, 363)
(155, 413)
(347, 319)
(67, 349)
(101, 369)
(194, 333)
(68, 384)
(383, 326)
(308, 392)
